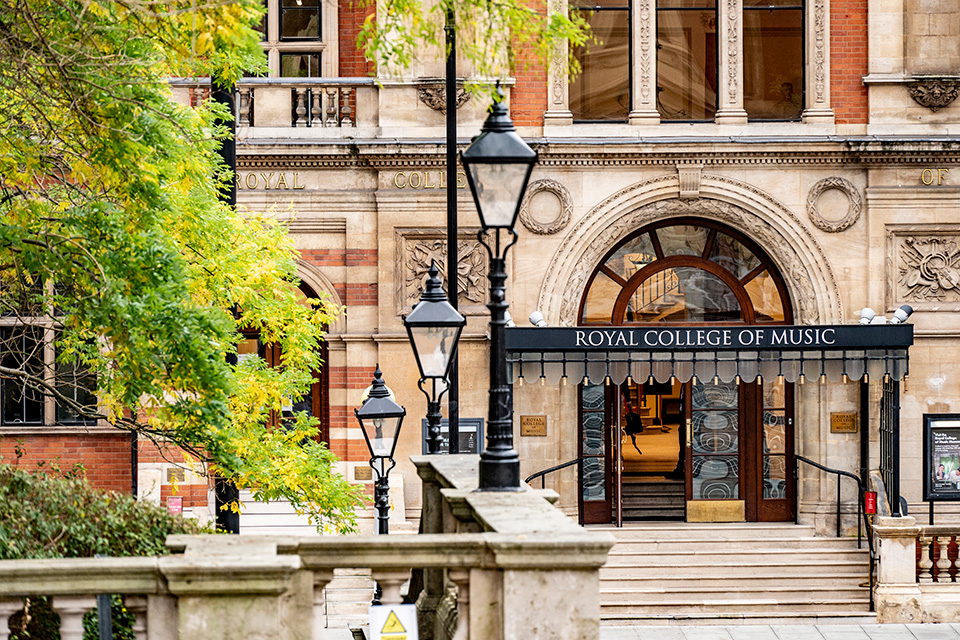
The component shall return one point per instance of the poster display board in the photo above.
(471, 435)
(941, 456)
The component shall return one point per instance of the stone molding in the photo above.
(923, 267)
(854, 204)
(813, 287)
(934, 93)
(566, 207)
(320, 283)
(416, 249)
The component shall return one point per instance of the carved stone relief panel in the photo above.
(546, 208)
(924, 267)
(416, 249)
(834, 204)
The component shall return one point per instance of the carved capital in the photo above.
(934, 93)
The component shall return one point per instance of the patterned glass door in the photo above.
(595, 485)
(714, 441)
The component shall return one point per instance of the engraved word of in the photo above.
(928, 177)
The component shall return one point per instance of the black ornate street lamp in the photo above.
(380, 419)
(434, 329)
(498, 164)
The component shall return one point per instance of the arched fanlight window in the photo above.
(686, 271)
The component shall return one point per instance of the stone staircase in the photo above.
(645, 499)
(742, 573)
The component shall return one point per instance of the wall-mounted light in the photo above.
(536, 319)
(867, 315)
(900, 315)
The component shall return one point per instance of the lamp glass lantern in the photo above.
(498, 164)
(380, 418)
(434, 329)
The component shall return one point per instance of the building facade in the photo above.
(718, 165)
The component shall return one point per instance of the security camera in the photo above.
(536, 319)
(900, 315)
(867, 315)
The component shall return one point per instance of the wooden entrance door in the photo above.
(739, 451)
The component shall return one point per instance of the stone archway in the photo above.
(814, 292)
(317, 281)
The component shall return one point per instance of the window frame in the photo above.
(326, 46)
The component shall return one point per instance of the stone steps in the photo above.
(662, 573)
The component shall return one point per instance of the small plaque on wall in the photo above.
(362, 473)
(533, 425)
(843, 422)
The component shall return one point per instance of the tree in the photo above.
(120, 269)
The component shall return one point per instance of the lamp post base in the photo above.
(500, 475)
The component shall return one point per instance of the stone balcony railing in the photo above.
(916, 571)
(508, 565)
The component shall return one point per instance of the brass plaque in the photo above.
(843, 422)
(533, 425)
(362, 473)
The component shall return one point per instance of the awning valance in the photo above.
(829, 352)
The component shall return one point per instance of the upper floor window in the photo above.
(766, 63)
(299, 37)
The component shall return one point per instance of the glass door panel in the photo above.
(715, 441)
(776, 451)
(595, 499)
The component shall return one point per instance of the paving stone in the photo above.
(751, 632)
(888, 632)
(796, 632)
(932, 631)
(706, 632)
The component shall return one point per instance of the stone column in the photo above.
(558, 83)
(818, 108)
(730, 65)
(8, 607)
(898, 597)
(71, 610)
(644, 70)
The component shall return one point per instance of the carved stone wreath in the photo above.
(435, 96)
(558, 223)
(855, 204)
(935, 93)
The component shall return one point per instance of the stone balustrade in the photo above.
(509, 565)
(916, 571)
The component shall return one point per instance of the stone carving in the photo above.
(934, 93)
(689, 175)
(417, 250)
(820, 46)
(855, 204)
(435, 96)
(780, 232)
(929, 268)
(645, 51)
(540, 226)
(558, 62)
(733, 14)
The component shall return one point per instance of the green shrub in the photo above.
(51, 514)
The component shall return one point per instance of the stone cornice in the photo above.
(712, 152)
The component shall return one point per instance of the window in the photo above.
(299, 37)
(702, 72)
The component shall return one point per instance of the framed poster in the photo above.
(941, 456)
(471, 435)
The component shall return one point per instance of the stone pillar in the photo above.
(898, 597)
(558, 83)
(730, 64)
(817, 108)
(71, 610)
(644, 17)
(8, 607)
(320, 581)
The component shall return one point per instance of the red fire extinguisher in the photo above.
(869, 501)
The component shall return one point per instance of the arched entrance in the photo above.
(724, 448)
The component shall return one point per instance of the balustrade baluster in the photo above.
(347, 97)
(943, 563)
(332, 120)
(461, 578)
(320, 581)
(8, 607)
(926, 558)
(137, 605)
(71, 610)
(246, 103)
(317, 120)
(301, 108)
(390, 581)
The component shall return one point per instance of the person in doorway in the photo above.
(633, 426)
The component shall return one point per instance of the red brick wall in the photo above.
(342, 416)
(351, 14)
(106, 458)
(848, 60)
(528, 98)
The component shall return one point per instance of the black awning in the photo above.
(831, 352)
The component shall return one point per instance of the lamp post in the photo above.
(434, 329)
(380, 418)
(498, 164)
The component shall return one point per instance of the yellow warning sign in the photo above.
(392, 625)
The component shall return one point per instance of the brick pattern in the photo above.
(194, 495)
(106, 457)
(362, 294)
(528, 98)
(848, 60)
(350, 17)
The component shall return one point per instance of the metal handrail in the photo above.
(861, 515)
(542, 474)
